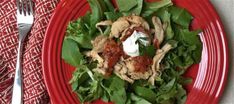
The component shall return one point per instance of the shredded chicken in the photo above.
(98, 47)
(159, 31)
(125, 32)
(118, 27)
(124, 23)
(120, 69)
(100, 70)
(137, 75)
(138, 20)
(126, 71)
(160, 53)
(101, 65)
(98, 43)
(95, 56)
(125, 68)
(103, 23)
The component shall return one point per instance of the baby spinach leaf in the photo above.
(86, 19)
(166, 19)
(109, 5)
(119, 96)
(105, 97)
(150, 50)
(97, 12)
(91, 92)
(145, 93)
(96, 90)
(118, 92)
(116, 83)
(138, 100)
(98, 8)
(78, 77)
(190, 46)
(167, 92)
(167, 87)
(113, 15)
(83, 40)
(88, 87)
(136, 10)
(180, 95)
(78, 31)
(184, 81)
(178, 61)
(196, 55)
(76, 27)
(173, 43)
(190, 37)
(151, 8)
(71, 53)
(157, 5)
(180, 16)
(126, 5)
(147, 14)
(147, 50)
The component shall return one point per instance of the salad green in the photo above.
(168, 88)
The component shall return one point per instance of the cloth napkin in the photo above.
(34, 87)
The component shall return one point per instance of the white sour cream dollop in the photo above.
(131, 47)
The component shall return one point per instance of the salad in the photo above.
(133, 53)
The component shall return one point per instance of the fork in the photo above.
(24, 17)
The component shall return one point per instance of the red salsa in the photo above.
(112, 53)
(141, 63)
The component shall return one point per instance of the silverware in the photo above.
(24, 22)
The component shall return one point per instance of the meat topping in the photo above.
(112, 53)
(141, 63)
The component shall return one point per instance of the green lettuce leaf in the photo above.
(78, 31)
(113, 15)
(86, 84)
(166, 92)
(180, 95)
(180, 16)
(136, 10)
(71, 53)
(137, 100)
(109, 5)
(126, 5)
(165, 16)
(98, 8)
(154, 6)
(145, 93)
(117, 91)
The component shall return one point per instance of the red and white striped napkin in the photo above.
(34, 87)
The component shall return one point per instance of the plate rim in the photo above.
(61, 4)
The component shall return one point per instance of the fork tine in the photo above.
(27, 12)
(31, 6)
(22, 6)
(18, 7)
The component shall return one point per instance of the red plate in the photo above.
(209, 76)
